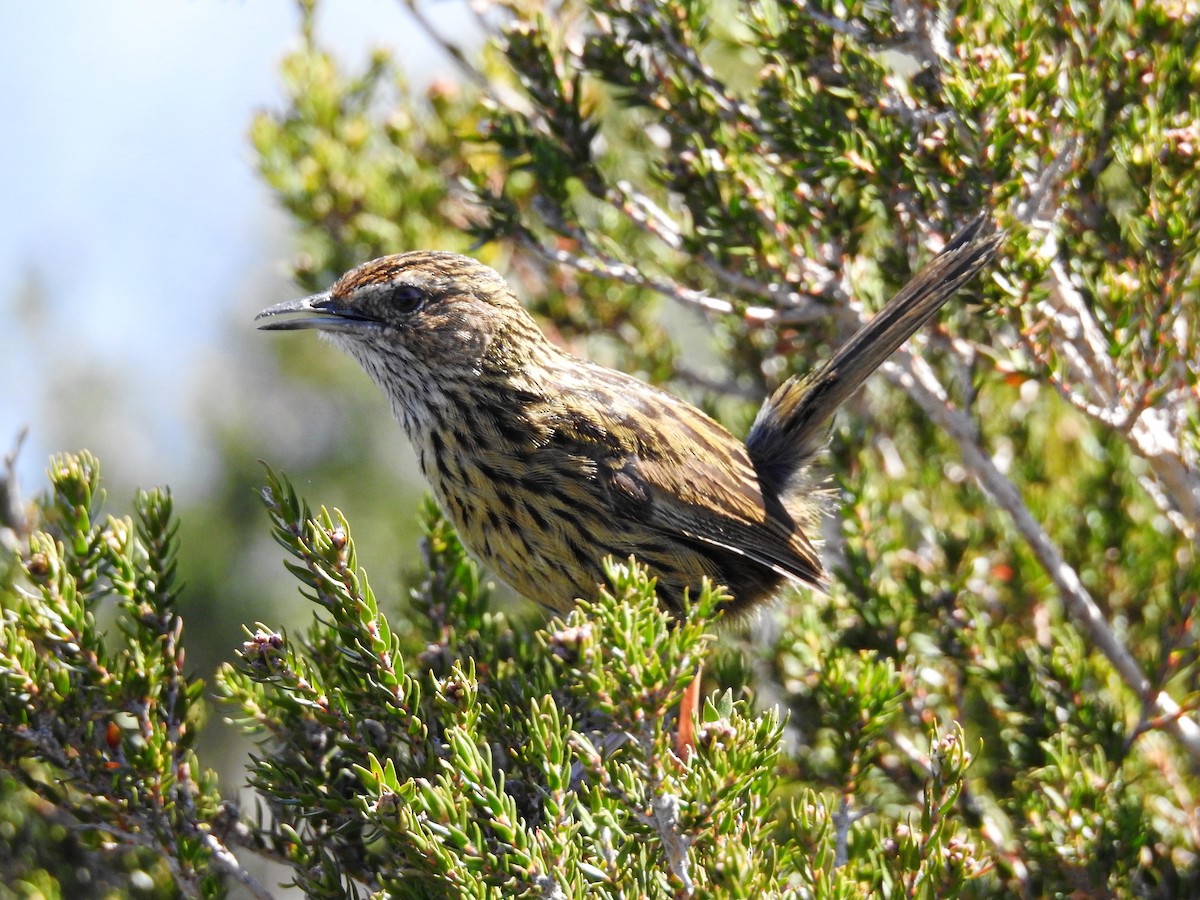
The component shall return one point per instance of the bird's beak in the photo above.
(320, 311)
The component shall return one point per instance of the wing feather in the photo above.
(675, 470)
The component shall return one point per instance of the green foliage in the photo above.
(484, 757)
(503, 762)
(946, 720)
(97, 725)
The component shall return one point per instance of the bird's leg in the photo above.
(689, 707)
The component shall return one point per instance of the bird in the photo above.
(548, 464)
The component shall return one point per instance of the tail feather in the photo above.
(789, 426)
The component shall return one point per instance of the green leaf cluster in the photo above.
(506, 760)
(99, 724)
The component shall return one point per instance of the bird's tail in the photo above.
(788, 428)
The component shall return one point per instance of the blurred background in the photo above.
(137, 242)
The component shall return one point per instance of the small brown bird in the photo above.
(546, 463)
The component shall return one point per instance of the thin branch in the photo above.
(1152, 437)
(451, 49)
(925, 29)
(795, 306)
(607, 267)
(843, 819)
(836, 25)
(729, 108)
(1087, 346)
(919, 380)
(12, 515)
(503, 96)
(1166, 505)
(1048, 186)
(1151, 432)
(676, 845)
(228, 864)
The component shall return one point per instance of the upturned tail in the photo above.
(789, 427)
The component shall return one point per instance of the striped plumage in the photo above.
(546, 463)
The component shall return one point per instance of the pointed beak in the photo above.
(319, 311)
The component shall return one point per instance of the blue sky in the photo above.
(128, 197)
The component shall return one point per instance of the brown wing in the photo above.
(673, 469)
(710, 505)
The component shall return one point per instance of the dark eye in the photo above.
(406, 298)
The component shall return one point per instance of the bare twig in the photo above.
(843, 819)
(665, 820)
(12, 515)
(838, 26)
(447, 46)
(1048, 185)
(729, 108)
(792, 306)
(1099, 389)
(925, 29)
(919, 380)
(229, 865)
(599, 264)
(1102, 392)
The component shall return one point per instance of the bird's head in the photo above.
(436, 331)
(427, 312)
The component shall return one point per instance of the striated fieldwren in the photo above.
(546, 463)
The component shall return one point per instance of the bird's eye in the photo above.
(406, 298)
